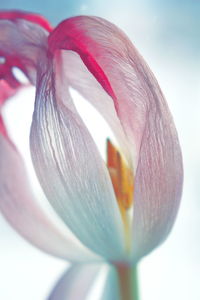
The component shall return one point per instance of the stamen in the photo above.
(121, 176)
(123, 183)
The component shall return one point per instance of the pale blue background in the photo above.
(167, 33)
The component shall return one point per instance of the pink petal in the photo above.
(16, 37)
(22, 40)
(2, 127)
(145, 119)
(33, 18)
(6, 91)
(19, 206)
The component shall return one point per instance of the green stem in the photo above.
(128, 284)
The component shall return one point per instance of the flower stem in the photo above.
(128, 284)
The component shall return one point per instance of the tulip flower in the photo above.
(113, 211)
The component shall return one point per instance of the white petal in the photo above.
(87, 282)
(70, 169)
(111, 290)
(75, 283)
(144, 116)
(18, 205)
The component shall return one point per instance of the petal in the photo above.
(22, 41)
(145, 119)
(80, 280)
(111, 290)
(6, 91)
(158, 182)
(76, 282)
(80, 79)
(114, 62)
(3, 130)
(22, 38)
(33, 18)
(70, 169)
(19, 206)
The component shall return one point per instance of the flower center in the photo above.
(123, 185)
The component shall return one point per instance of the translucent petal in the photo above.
(79, 78)
(23, 39)
(158, 182)
(19, 206)
(116, 65)
(75, 283)
(33, 18)
(71, 171)
(145, 119)
(111, 290)
(80, 282)
(3, 130)
(6, 91)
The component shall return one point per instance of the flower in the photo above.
(116, 211)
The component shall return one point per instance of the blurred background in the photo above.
(166, 33)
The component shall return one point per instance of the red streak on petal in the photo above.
(15, 14)
(68, 36)
(2, 128)
(6, 91)
(8, 83)
(10, 61)
(6, 69)
(4, 132)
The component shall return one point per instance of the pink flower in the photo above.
(116, 211)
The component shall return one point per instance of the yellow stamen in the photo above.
(122, 181)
